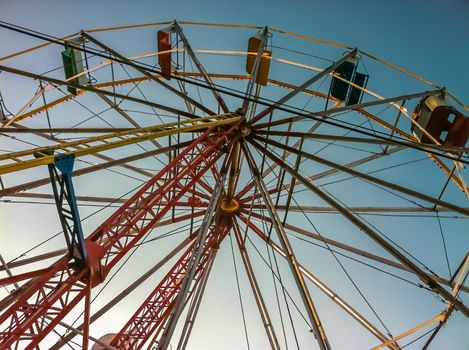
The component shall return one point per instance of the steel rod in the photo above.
(194, 307)
(365, 177)
(195, 258)
(331, 111)
(303, 86)
(307, 135)
(95, 90)
(424, 277)
(146, 73)
(292, 261)
(263, 311)
(201, 68)
(326, 290)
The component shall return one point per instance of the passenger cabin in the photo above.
(164, 52)
(73, 65)
(442, 121)
(262, 76)
(342, 90)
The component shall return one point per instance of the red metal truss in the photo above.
(44, 301)
(159, 304)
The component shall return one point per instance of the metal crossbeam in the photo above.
(24, 159)
(147, 73)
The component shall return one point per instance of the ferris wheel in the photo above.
(180, 185)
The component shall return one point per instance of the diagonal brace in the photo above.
(67, 207)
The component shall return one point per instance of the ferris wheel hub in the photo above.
(229, 206)
(245, 130)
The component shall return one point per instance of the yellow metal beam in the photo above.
(410, 331)
(105, 142)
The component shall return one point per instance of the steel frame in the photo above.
(66, 285)
(41, 304)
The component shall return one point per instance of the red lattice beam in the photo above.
(53, 295)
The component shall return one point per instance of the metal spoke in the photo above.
(148, 74)
(194, 260)
(326, 290)
(97, 91)
(387, 142)
(364, 176)
(263, 311)
(359, 106)
(321, 174)
(350, 249)
(303, 86)
(424, 277)
(195, 305)
(201, 69)
(308, 302)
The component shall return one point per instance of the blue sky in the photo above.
(428, 38)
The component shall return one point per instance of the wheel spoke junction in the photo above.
(170, 199)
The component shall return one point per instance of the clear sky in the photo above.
(429, 38)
